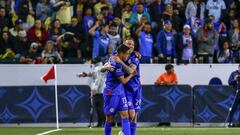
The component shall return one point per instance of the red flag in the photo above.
(50, 75)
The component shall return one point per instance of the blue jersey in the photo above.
(145, 44)
(100, 44)
(113, 85)
(134, 83)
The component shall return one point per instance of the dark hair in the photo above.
(169, 66)
(122, 49)
(104, 8)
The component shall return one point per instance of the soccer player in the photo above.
(133, 89)
(114, 96)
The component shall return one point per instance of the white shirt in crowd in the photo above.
(215, 8)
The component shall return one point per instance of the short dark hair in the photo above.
(104, 8)
(122, 48)
(169, 66)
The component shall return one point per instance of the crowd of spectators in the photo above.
(165, 31)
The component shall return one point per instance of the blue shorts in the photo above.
(115, 103)
(134, 99)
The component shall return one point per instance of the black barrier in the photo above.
(166, 103)
(212, 103)
(36, 104)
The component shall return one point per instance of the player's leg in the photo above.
(131, 111)
(136, 98)
(108, 125)
(123, 111)
(110, 107)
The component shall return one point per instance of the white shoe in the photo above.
(120, 133)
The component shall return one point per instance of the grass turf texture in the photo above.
(141, 131)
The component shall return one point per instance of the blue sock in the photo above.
(126, 126)
(133, 128)
(107, 128)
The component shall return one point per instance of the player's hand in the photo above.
(134, 73)
(93, 92)
(138, 54)
(83, 74)
(117, 59)
(109, 67)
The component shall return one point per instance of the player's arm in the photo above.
(84, 74)
(107, 67)
(126, 68)
(123, 79)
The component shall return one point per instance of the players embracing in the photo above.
(132, 89)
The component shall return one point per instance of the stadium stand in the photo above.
(66, 23)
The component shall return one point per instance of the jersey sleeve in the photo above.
(135, 60)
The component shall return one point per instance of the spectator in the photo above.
(32, 55)
(207, 38)
(195, 24)
(4, 20)
(195, 8)
(22, 44)
(119, 25)
(216, 8)
(43, 10)
(37, 33)
(143, 2)
(228, 19)
(225, 54)
(145, 40)
(88, 19)
(6, 46)
(234, 36)
(50, 55)
(173, 15)
(76, 28)
(219, 27)
(136, 16)
(69, 45)
(63, 12)
(101, 41)
(56, 30)
(126, 31)
(114, 37)
(167, 78)
(236, 5)
(105, 15)
(79, 10)
(186, 45)
(156, 10)
(166, 43)
(23, 8)
(100, 4)
(118, 10)
(18, 27)
(127, 13)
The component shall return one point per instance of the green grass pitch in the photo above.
(140, 131)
